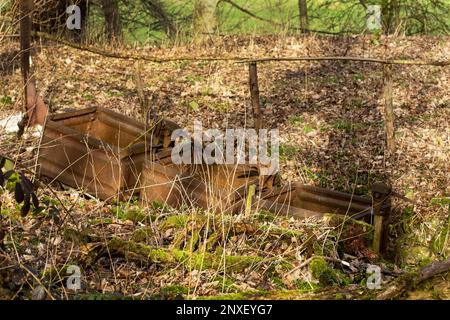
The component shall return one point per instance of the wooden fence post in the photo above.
(381, 211)
(389, 108)
(254, 92)
(26, 7)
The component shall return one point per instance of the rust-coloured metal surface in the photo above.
(224, 188)
(304, 201)
(214, 187)
(109, 155)
(98, 150)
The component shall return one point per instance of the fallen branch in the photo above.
(127, 56)
(433, 269)
(130, 56)
(411, 280)
(361, 59)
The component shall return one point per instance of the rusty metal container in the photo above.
(225, 187)
(99, 151)
(303, 201)
(213, 187)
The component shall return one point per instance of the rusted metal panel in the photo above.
(213, 187)
(304, 201)
(224, 188)
(97, 150)
(110, 155)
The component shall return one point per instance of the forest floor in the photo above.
(330, 118)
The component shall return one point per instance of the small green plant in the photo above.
(307, 128)
(6, 100)
(296, 121)
(193, 106)
(358, 77)
(17, 182)
(114, 93)
(288, 151)
(88, 96)
(443, 202)
(207, 91)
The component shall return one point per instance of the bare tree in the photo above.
(113, 25)
(390, 13)
(205, 18)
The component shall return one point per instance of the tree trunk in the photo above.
(205, 19)
(113, 25)
(390, 11)
(26, 9)
(303, 10)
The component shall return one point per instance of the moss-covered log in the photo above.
(193, 260)
(410, 281)
(334, 294)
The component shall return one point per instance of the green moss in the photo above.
(135, 215)
(212, 241)
(193, 241)
(193, 106)
(173, 292)
(326, 275)
(282, 231)
(305, 286)
(264, 216)
(358, 77)
(278, 282)
(142, 235)
(317, 267)
(88, 96)
(307, 128)
(347, 126)
(75, 236)
(114, 93)
(51, 201)
(225, 284)
(191, 260)
(417, 255)
(175, 221)
(349, 227)
(132, 211)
